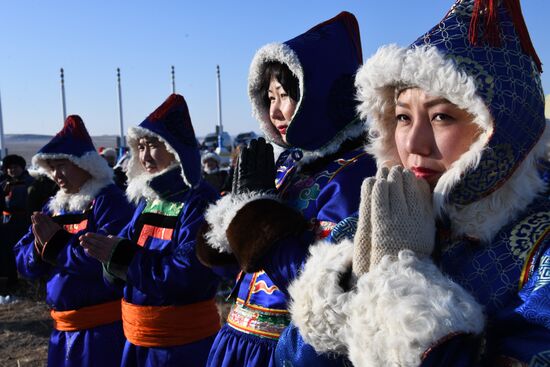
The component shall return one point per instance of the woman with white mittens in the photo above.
(450, 263)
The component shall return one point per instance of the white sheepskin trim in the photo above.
(134, 167)
(353, 130)
(278, 52)
(90, 162)
(220, 214)
(484, 218)
(423, 67)
(138, 186)
(319, 307)
(402, 308)
(79, 201)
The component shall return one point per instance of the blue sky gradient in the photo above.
(90, 39)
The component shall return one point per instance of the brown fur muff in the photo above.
(257, 227)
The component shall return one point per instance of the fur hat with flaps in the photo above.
(171, 124)
(324, 60)
(74, 143)
(480, 58)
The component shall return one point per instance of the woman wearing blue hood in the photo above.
(168, 310)
(452, 251)
(85, 310)
(302, 94)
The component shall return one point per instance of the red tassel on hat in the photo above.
(486, 11)
(489, 11)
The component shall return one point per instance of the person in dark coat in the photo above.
(15, 218)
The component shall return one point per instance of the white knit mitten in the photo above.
(362, 238)
(401, 215)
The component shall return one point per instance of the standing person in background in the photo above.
(170, 317)
(212, 173)
(40, 191)
(452, 251)
(302, 94)
(110, 155)
(15, 218)
(86, 310)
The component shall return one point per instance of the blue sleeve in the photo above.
(519, 334)
(28, 262)
(337, 205)
(174, 272)
(110, 213)
(128, 230)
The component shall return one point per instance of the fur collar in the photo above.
(79, 201)
(139, 186)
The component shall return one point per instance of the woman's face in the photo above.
(153, 155)
(281, 107)
(431, 133)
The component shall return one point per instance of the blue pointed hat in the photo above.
(480, 58)
(171, 124)
(73, 143)
(324, 60)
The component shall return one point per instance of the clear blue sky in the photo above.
(90, 39)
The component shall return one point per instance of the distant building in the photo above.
(547, 107)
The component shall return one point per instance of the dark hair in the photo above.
(282, 73)
(13, 159)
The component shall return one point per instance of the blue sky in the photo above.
(90, 39)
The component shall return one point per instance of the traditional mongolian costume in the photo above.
(482, 297)
(317, 184)
(85, 310)
(169, 314)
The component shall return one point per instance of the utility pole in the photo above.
(173, 80)
(122, 143)
(63, 95)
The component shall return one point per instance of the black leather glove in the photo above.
(255, 170)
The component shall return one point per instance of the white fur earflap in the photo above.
(220, 214)
(90, 162)
(319, 305)
(79, 201)
(272, 52)
(402, 308)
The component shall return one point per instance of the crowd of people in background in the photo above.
(395, 213)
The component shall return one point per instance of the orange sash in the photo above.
(86, 317)
(165, 326)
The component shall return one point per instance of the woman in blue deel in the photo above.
(452, 251)
(169, 314)
(85, 309)
(302, 94)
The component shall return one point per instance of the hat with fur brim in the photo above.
(74, 144)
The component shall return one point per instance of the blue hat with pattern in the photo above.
(171, 124)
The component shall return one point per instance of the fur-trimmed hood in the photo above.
(171, 124)
(497, 177)
(324, 60)
(74, 144)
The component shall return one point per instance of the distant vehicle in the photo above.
(210, 142)
(244, 138)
